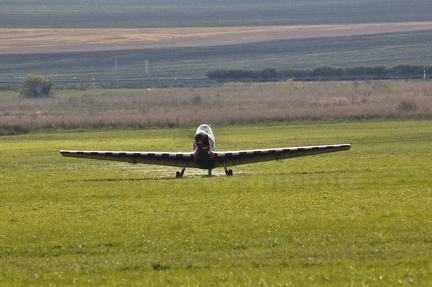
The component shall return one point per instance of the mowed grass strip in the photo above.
(360, 217)
(30, 41)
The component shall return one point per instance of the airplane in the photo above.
(205, 154)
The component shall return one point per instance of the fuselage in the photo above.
(204, 145)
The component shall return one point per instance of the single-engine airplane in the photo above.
(205, 154)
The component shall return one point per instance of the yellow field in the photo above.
(24, 41)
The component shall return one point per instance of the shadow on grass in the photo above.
(119, 179)
(147, 178)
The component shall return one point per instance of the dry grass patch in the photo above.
(28, 41)
(231, 103)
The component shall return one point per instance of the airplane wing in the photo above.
(233, 158)
(157, 158)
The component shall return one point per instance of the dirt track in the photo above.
(38, 41)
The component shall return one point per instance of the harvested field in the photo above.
(45, 41)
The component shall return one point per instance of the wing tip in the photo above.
(66, 152)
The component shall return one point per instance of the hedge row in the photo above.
(401, 71)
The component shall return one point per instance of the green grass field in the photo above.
(359, 218)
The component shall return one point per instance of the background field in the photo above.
(195, 60)
(360, 217)
(205, 13)
(51, 41)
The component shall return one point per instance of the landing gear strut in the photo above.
(227, 172)
(179, 174)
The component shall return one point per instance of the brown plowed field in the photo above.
(34, 41)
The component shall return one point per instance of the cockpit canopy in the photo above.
(204, 138)
(205, 128)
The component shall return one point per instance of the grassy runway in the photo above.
(361, 217)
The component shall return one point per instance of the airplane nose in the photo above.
(201, 141)
(201, 137)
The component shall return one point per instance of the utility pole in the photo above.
(116, 71)
(146, 68)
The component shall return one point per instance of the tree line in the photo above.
(35, 86)
(323, 72)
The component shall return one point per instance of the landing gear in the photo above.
(179, 174)
(209, 172)
(227, 172)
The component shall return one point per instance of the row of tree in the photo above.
(37, 86)
(322, 72)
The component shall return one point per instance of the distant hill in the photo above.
(206, 13)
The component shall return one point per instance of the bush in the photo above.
(36, 87)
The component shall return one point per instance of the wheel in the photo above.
(178, 174)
